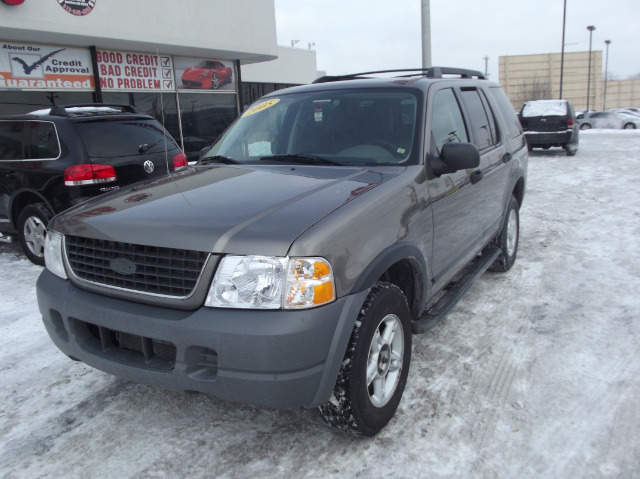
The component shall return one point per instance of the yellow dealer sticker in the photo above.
(261, 107)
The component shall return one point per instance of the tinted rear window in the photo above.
(109, 138)
(544, 108)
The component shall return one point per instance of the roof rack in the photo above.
(61, 110)
(433, 72)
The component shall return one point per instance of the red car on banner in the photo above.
(206, 74)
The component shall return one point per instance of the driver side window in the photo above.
(447, 124)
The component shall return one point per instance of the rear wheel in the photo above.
(32, 230)
(507, 240)
(375, 367)
(571, 148)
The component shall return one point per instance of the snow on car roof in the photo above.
(545, 108)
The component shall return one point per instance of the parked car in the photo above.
(630, 120)
(600, 119)
(53, 159)
(290, 265)
(207, 74)
(549, 123)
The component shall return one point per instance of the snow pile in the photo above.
(535, 373)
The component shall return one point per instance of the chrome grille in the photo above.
(147, 269)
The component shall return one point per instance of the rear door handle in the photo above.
(476, 176)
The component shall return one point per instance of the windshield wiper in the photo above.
(218, 159)
(301, 159)
(146, 146)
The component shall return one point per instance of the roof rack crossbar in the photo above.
(432, 72)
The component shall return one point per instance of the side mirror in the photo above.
(456, 156)
(203, 151)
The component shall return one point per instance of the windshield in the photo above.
(343, 127)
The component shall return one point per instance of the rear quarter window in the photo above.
(41, 140)
(514, 129)
(109, 138)
(481, 118)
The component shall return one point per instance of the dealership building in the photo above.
(193, 65)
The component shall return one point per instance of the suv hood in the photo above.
(222, 209)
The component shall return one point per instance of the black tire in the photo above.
(585, 126)
(572, 148)
(508, 239)
(32, 229)
(375, 367)
(630, 126)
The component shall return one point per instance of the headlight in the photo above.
(53, 254)
(270, 282)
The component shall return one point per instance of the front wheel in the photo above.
(32, 230)
(630, 126)
(215, 82)
(585, 126)
(375, 367)
(507, 240)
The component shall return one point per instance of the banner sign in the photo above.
(204, 74)
(134, 71)
(25, 67)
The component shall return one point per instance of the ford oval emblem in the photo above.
(149, 166)
(123, 266)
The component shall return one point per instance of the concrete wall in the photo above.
(519, 73)
(621, 93)
(293, 65)
(242, 30)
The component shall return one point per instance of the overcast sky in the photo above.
(360, 35)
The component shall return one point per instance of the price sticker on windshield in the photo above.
(261, 107)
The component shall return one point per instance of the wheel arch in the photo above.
(403, 265)
(518, 190)
(24, 198)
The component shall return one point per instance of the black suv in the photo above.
(53, 159)
(548, 123)
(290, 266)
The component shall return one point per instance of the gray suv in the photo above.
(291, 265)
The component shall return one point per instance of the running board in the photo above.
(455, 290)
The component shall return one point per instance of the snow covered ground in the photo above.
(534, 374)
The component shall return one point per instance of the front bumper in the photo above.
(272, 358)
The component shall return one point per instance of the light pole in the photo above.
(591, 28)
(606, 67)
(564, 21)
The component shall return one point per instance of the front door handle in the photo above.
(476, 176)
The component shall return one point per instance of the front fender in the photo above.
(393, 255)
